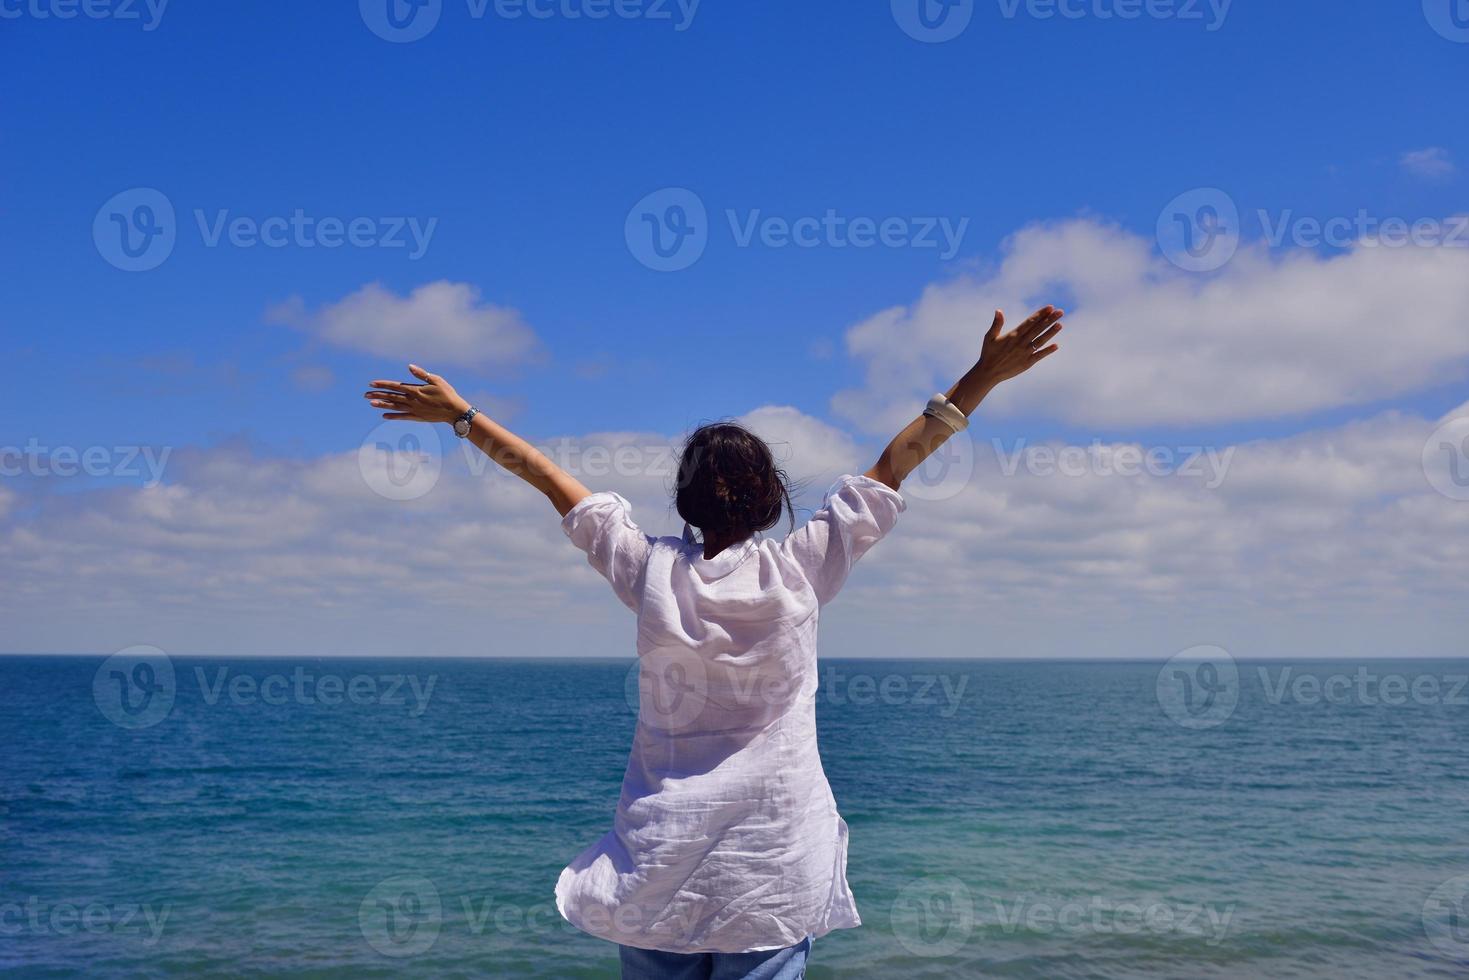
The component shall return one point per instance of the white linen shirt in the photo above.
(726, 837)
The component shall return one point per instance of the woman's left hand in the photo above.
(433, 400)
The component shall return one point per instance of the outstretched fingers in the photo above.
(386, 399)
(1038, 323)
(1041, 339)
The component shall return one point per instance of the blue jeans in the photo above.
(770, 964)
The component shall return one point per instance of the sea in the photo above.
(345, 818)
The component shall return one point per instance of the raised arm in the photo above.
(1002, 358)
(433, 399)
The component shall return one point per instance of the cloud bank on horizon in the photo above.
(1322, 542)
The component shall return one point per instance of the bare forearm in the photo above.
(1004, 356)
(922, 437)
(527, 462)
(434, 400)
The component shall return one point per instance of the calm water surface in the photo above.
(339, 818)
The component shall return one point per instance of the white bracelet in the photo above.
(947, 412)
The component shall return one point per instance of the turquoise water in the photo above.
(1018, 820)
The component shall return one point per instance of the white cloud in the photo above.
(313, 377)
(811, 452)
(438, 323)
(1146, 343)
(1329, 542)
(1433, 163)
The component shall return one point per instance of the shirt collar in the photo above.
(721, 564)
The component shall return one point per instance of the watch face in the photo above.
(461, 428)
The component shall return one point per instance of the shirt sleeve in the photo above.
(857, 512)
(601, 525)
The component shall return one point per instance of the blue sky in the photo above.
(524, 143)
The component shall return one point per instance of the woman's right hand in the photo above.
(1003, 358)
(433, 400)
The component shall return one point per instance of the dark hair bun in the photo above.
(728, 482)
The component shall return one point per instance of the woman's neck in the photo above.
(714, 542)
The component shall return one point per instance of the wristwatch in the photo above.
(461, 424)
